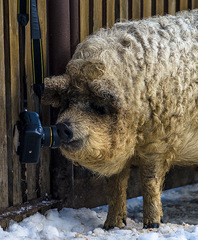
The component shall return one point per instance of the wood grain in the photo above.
(97, 15)
(194, 4)
(147, 8)
(44, 166)
(3, 135)
(15, 95)
(183, 5)
(84, 19)
(160, 7)
(110, 13)
(30, 168)
(123, 10)
(136, 9)
(172, 7)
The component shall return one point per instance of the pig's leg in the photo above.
(152, 178)
(117, 186)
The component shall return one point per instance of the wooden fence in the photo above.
(18, 183)
(68, 23)
(97, 13)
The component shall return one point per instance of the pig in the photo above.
(129, 96)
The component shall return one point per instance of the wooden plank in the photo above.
(30, 176)
(172, 7)
(15, 95)
(84, 19)
(160, 7)
(44, 166)
(17, 213)
(124, 10)
(183, 5)
(3, 135)
(147, 8)
(110, 13)
(97, 15)
(194, 4)
(136, 9)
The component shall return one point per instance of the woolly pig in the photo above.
(130, 97)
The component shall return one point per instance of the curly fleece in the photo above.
(147, 71)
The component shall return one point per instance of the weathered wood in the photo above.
(124, 10)
(183, 5)
(15, 95)
(91, 191)
(18, 213)
(172, 7)
(110, 13)
(44, 166)
(30, 176)
(160, 7)
(147, 6)
(3, 135)
(194, 4)
(97, 15)
(136, 9)
(84, 19)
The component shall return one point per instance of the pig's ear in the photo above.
(88, 69)
(55, 86)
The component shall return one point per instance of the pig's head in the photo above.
(95, 123)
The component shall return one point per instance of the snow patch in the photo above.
(180, 209)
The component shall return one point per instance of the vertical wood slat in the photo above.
(147, 7)
(194, 4)
(183, 5)
(15, 95)
(84, 19)
(136, 9)
(172, 7)
(110, 13)
(123, 10)
(30, 176)
(160, 7)
(44, 170)
(3, 135)
(97, 15)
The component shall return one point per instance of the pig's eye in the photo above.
(100, 109)
(64, 106)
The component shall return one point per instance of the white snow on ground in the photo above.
(180, 207)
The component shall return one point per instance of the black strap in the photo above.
(36, 48)
(37, 53)
(23, 18)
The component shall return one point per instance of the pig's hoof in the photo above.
(151, 225)
(109, 224)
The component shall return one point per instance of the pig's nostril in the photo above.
(65, 132)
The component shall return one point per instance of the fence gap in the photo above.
(117, 10)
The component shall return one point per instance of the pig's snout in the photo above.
(65, 132)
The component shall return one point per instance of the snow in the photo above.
(180, 207)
